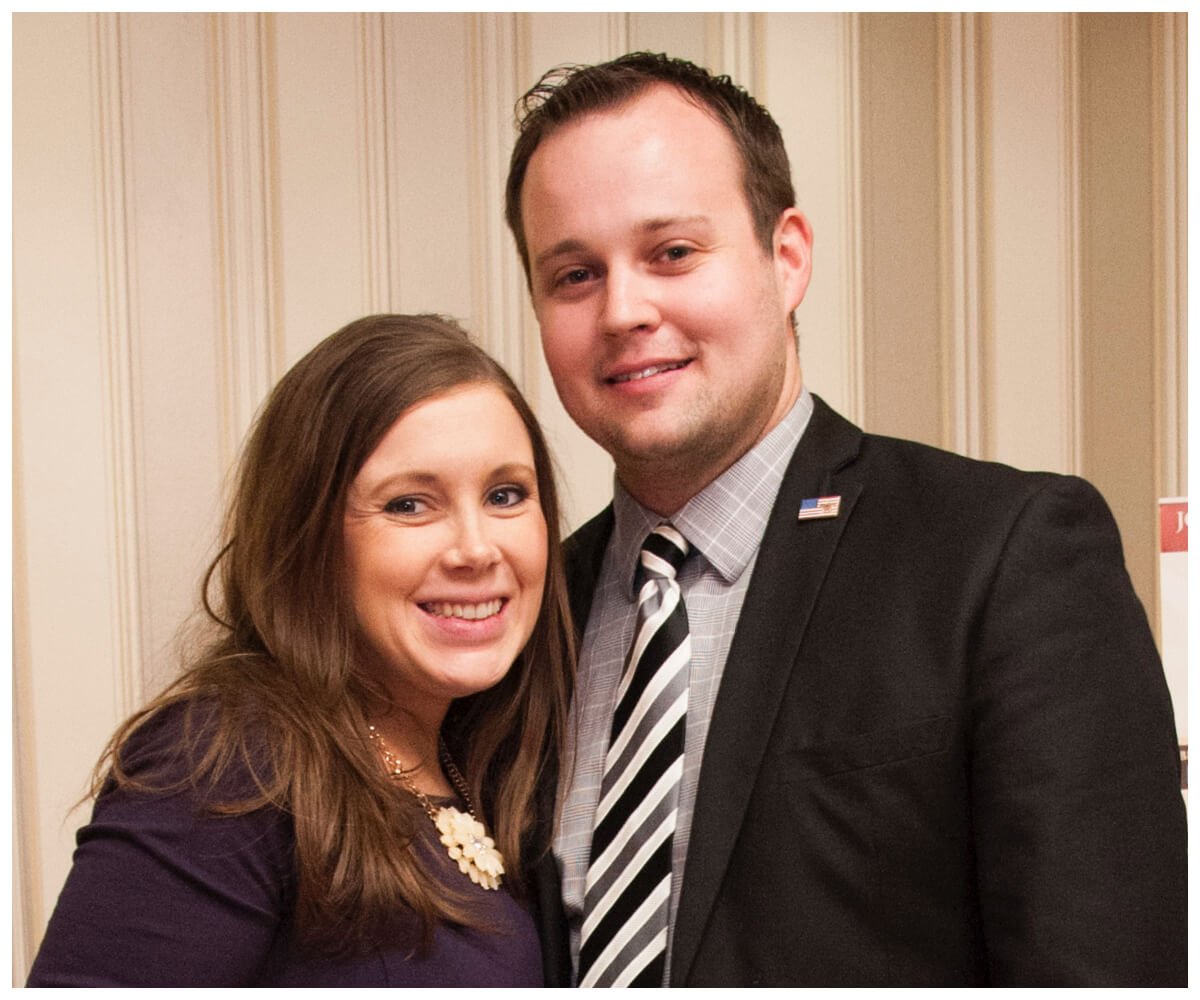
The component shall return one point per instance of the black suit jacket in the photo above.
(943, 750)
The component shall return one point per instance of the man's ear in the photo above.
(793, 256)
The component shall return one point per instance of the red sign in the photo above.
(1172, 522)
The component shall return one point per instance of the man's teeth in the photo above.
(470, 612)
(647, 372)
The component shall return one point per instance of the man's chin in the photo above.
(694, 459)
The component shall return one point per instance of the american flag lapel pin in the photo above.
(818, 507)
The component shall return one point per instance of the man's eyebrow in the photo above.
(571, 245)
(657, 225)
(561, 247)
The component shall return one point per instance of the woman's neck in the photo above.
(413, 745)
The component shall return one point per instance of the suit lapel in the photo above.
(792, 560)
(583, 552)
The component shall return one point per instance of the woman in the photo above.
(341, 789)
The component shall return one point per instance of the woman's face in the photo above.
(446, 547)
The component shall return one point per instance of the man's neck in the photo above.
(664, 486)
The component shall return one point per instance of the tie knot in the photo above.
(663, 551)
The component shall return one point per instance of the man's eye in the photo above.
(677, 252)
(404, 505)
(576, 276)
(507, 496)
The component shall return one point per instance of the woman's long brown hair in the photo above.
(276, 693)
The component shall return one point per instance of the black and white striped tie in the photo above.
(628, 886)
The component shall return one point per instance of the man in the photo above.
(892, 716)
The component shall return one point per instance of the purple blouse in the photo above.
(162, 893)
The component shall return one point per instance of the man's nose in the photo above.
(629, 301)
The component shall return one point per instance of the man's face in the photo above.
(664, 322)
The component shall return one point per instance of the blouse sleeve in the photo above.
(165, 892)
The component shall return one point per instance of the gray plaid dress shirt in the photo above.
(724, 524)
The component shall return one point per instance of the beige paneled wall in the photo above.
(198, 198)
(69, 618)
(901, 179)
(1169, 121)
(810, 80)
(1032, 184)
(1121, 449)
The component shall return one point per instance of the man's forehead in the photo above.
(647, 163)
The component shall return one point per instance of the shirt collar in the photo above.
(726, 520)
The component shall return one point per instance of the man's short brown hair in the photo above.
(566, 93)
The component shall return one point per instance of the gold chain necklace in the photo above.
(465, 838)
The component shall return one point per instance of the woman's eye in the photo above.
(404, 505)
(507, 496)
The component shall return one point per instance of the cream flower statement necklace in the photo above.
(465, 838)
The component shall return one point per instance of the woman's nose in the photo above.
(473, 544)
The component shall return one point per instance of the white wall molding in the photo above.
(1171, 250)
(853, 269)
(1070, 297)
(900, 191)
(617, 34)
(244, 173)
(28, 882)
(78, 591)
(965, 321)
(374, 77)
(731, 48)
(116, 255)
(810, 84)
(1035, 260)
(498, 287)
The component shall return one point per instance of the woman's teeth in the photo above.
(469, 612)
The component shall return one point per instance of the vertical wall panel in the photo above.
(249, 257)
(498, 287)
(810, 80)
(377, 72)
(332, 266)
(554, 39)
(1169, 121)
(966, 328)
(1118, 284)
(431, 143)
(733, 46)
(68, 678)
(682, 35)
(900, 223)
(117, 258)
(1033, 284)
(178, 389)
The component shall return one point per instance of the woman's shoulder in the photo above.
(198, 743)
(176, 878)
